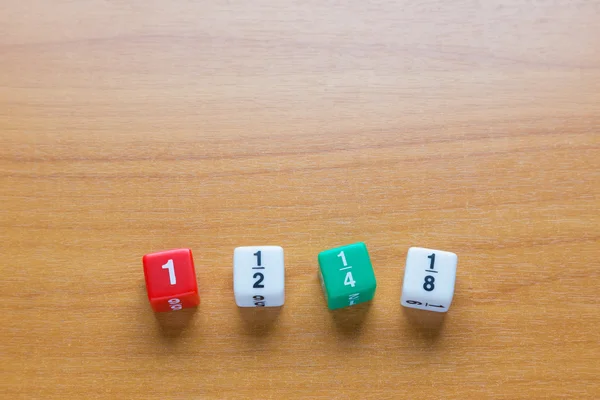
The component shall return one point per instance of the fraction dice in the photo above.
(347, 275)
(429, 278)
(171, 280)
(258, 276)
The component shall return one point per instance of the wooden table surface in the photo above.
(129, 127)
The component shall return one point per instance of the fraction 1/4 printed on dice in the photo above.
(347, 275)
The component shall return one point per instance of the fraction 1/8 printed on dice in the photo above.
(429, 279)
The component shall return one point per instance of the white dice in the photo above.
(258, 276)
(429, 278)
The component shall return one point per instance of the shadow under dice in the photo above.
(171, 280)
(347, 275)
(429, 278)
(258, 276)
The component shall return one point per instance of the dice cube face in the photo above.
(347, 276)
(429, 278)
(258, 276)
(171, 280)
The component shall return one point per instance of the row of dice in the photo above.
(346, 273)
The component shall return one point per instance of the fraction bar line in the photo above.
(258, 267)
(430, 270)
(341, 269)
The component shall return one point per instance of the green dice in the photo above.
(347, 275)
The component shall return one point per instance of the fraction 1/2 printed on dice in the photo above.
(258, 276)
(429, 278)
(347, 275)
(171, 280)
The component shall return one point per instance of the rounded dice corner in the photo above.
(362, 245)
(413, 249)
(320, 257)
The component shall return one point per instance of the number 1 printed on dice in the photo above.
(171, 280)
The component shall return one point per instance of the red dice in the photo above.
(171, 280)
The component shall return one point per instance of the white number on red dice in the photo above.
(175, 304)
(171, 267)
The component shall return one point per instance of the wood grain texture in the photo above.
(129, 127)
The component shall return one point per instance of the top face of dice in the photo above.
(347, 275)
(429, 279)
(171, 279)
(259, 276)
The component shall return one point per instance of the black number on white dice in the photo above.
(432, 264)
(418, 303)
(258, 284)
(258, 256)
(432, 258)
(259, 301)
(433, 305)
(429, 283)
